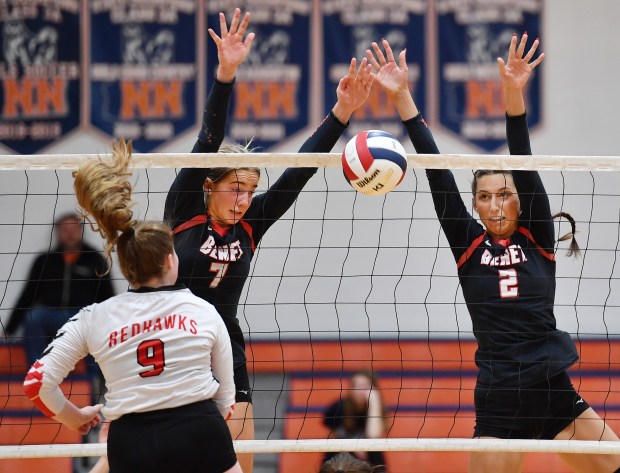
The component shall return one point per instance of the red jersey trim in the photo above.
(32, 386)
(465, 256)
(200, 219)
(197, 220)
(223, 231)
(248, 228)
(526, 232)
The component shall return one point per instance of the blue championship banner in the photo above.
(349, 28)
(472, 35)
(270, 101)
(143, 69)
(39, 72)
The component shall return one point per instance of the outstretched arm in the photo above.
(514, 75)
(185, 199)
(353, 90)
(451, 211)
(232, 50)
(393, 78)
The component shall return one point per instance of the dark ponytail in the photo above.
(573, 249)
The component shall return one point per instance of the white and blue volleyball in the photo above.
(374, 162)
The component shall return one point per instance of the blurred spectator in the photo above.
(346, 463)
(359, 414)
(60, 283)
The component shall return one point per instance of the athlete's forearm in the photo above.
(79, 419)
(214, 118)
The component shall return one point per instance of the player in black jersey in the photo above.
(506, 268)
(217, 223)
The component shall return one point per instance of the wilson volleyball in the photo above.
(374, 162)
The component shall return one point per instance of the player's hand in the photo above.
(89, 418)
(515, 73)
(393, 77)
(354, 88)
(232, 48)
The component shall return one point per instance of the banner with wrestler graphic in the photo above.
(40, 74)
(271, 95)
(349, 28)
(144, 69)
(472, 35)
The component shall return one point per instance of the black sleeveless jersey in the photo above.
(508, 285)
(214, 265)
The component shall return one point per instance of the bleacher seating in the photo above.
(22, 424)
(427, 387)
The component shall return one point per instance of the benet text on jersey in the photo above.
(228, 253)
(512, 255)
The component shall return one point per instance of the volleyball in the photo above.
(374, 162)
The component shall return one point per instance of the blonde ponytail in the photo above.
(104, 194)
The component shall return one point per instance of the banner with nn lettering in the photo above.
(472, 35)
(271, 94)
(40, 73)
(144, 69)
(349, 28)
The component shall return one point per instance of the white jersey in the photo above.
(157, 349)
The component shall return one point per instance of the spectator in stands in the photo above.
(346, 463)
(60, 283)
(360, 414)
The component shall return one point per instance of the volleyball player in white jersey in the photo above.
(165, 353)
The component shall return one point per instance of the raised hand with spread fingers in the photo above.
(515, 73)
(353, 90)
(393, 77)
(232, 48)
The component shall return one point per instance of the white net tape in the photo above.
(430, 161)
(346, 445)
(333, 160)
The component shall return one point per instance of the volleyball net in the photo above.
(343, 282)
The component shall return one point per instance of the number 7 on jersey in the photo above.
(220, 271)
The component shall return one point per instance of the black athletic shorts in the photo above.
(540, 411)
(193, 437)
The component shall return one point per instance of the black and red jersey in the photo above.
(214, 263)
(508, 285)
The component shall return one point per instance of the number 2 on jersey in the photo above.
(508, 283)
(220, 271)
(151, 355)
